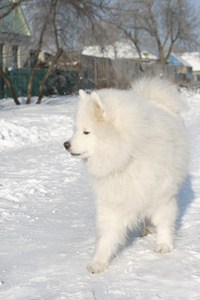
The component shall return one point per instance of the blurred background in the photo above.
(50, 47)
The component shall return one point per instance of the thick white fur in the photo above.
(136, 154)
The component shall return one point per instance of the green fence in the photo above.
(59, 82)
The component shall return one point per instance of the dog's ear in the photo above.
(98, 107)
(83, 95)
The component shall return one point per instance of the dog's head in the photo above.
(101, 132)
(90, 113)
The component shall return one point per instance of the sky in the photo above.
(196, 2)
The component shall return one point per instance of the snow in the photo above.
(47, 217)
(122, 49)
(193, 59)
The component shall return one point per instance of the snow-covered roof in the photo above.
(178, 60)
(193, 59)
(121, 49)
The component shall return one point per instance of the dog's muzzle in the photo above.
(67, 146)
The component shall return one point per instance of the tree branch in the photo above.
(10, 9)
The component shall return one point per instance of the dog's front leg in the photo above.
(112, 228)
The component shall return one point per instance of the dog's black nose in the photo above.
(67, 145)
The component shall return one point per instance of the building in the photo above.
(119, 64)
(183, 68)
(193, 59)
(14, 37)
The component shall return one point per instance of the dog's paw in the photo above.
(96, 267)
(148, 230)
(163, 248)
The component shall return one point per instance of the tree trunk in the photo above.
(40, 94)
(9, 85)
(30, 82)
(163, 60)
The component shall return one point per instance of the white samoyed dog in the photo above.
(136, 153)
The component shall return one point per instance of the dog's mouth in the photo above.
(67, 146)
(75, 154)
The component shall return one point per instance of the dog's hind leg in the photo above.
(164, 220)
(112, 232)
(147, 228)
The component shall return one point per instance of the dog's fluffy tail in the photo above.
(160, 92)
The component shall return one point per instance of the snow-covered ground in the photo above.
(47, 217)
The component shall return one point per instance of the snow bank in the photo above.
(15, 135)
(26, 129)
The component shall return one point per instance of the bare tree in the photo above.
(163, 23)
(55, 58)
(7, 8)
(124, 15)
(101, 34)
(9, 85)
(40, 26)
(56, 26)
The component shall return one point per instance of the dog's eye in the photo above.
(86, 132)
